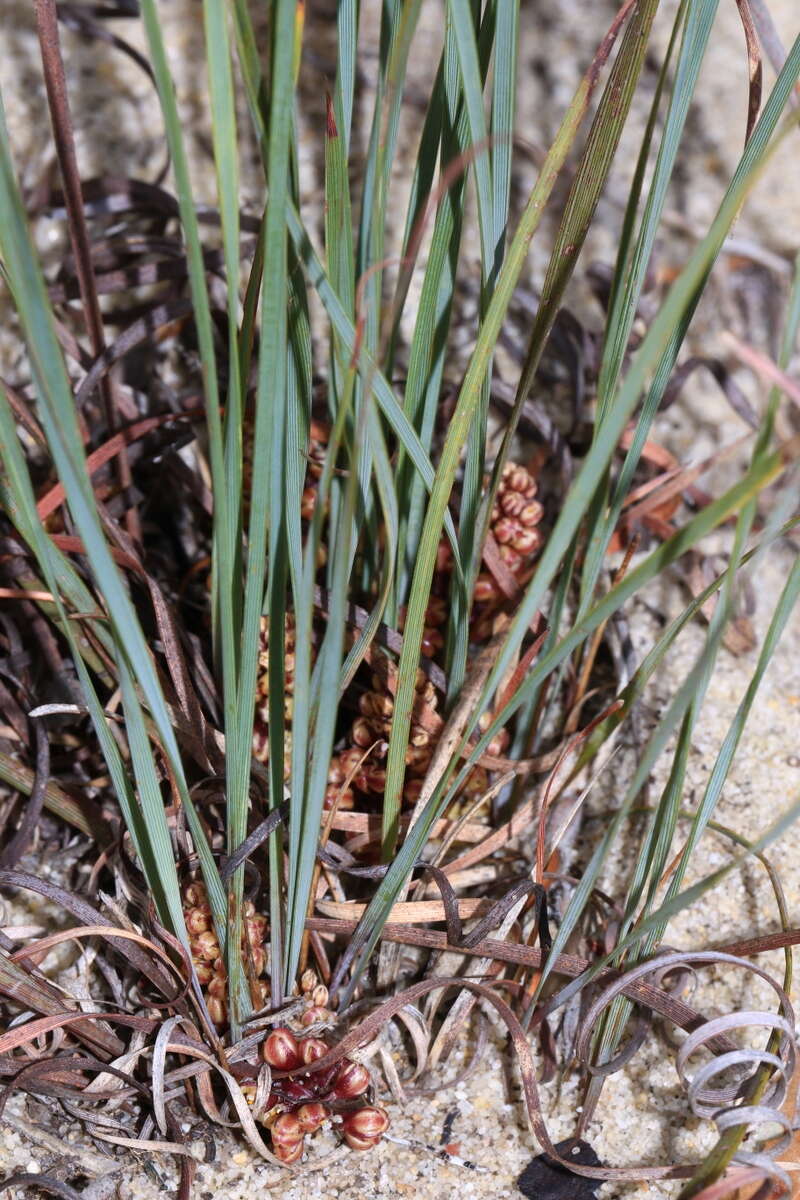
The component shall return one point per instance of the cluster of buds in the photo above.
(514, 525)
(207, 954)
(315, 999)
(300, 1103)
(261, 719)
(363, 761)
(360, 768)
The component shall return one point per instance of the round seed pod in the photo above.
(368, 1122)
(418, 758)
(312, 1116)
(308, 502)
(256, 929)
(217, 1010)
(376, 706)
(505, 530)
(510, 504)
(205, 946)
(281, 1050)
(320, 996)
(359, 1143)
(289, 1152)
(194, 895)
(259, 959)
(198, 919)
(308, 980)
(204, 972)
(373, 779)
(526, 541)
(511, 558)
(411, 791)
(217, 986)
(314, 1014)
(311, 1048)
(286, 1130)
(485, 589)
(432, 642)
(352, 1080)
(362, 733)
(531, 514)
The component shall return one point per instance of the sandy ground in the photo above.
(643, 1115)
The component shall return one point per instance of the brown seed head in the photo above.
(256, 928)
(485, 589)
(359, 1143)
(217, 986)
(432, 642)
(511, 503)
(531, 514)
(198, 919)
(526, 542)
(259, 959)
(204, 972)
(505, 530)
(363, 734)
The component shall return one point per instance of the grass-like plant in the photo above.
(349, 575)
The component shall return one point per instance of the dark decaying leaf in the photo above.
(546, 1179)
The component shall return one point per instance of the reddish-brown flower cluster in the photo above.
(360, 767)
(365, 757)
(299, 1103)
(261, 719)
(207, 955)
(315, 1002)
(514, 526)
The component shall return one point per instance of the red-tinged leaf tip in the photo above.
(331, 129)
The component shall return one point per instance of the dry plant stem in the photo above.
(55, 83)
(594, 645)
(325, 834)
(445, 748)
(83, 815)
(465, 1001)
(567, 749)
(570, 965)
(23, 836)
